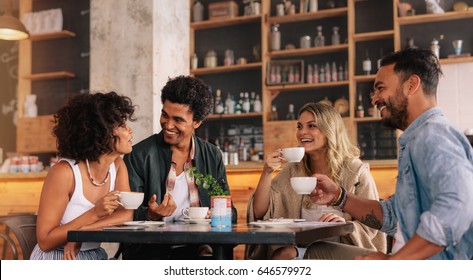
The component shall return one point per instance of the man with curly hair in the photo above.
(159, 166)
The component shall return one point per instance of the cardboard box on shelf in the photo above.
(220, 10)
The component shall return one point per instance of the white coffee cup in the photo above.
(195, 212)
(131, 200)
(293, 154)
(303, 185)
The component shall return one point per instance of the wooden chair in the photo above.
(24, 229)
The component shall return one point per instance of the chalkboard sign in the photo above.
(8, 97)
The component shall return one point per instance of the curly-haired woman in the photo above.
(328, 150)
(80, 191)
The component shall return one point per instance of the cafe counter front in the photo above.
(20, 192)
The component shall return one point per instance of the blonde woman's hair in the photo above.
(339, 147)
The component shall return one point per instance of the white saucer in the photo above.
(195, 221)
(273, 223)
(144, 223)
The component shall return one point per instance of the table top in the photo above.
(205, 234)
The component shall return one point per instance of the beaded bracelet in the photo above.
(336, 200)
(341, 203)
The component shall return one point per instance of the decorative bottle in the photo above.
(335, 36)
(198, 11)
(219, 108)
(360, 110)
(319, 40)
(435, 47)
(257, 107)
(275, 38)
(290, 114)
(367, 64)
(274, 114)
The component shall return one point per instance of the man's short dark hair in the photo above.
(189, 91)
(422, 63)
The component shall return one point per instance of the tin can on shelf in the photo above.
(221, 208)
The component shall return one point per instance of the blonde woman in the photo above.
(322, 133)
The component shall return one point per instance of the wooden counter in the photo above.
(20, 192)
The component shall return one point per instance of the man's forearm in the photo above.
(367, 211)
(417, 249)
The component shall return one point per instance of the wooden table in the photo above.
(222, 240)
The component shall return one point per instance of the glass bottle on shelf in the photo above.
(290, 114)
(275, 38)
(340, 73)
(316, 74)
(258, 106)
(335, 36)
(313, 6)
(197, 11)
(334, 72)
(328, 73)
(319, 40)
(322, 74)
(310, 74)
(274, 114)
(229, 104)
(219, 108)
(378, 62)
(246, 103)
(435, 47)
(242, 150)
(252, 101)
(360, 110)
(345, 71)
(367, 64)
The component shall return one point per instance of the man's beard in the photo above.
(397, 107)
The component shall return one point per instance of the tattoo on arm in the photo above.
(371, 221)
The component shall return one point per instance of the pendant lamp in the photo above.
(11, 28)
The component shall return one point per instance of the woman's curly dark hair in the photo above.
(84, 127)
(189, 91)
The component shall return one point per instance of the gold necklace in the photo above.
(92, 179)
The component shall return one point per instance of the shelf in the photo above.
(337, 12)
(367, 119)
(371, 36)
(233, 116)
(306, 86)
(426, 18)
(365, 78)
(49, 76)
(456, 60)
(222, 69)
(217, 23)
(53, 35)
(309, 51)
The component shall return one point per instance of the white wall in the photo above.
(455, 94)
(135, 45)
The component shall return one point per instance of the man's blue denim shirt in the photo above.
(434, 189)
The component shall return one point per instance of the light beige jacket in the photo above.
(285, 203)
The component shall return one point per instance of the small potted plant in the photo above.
(220, 200)
(208, 182)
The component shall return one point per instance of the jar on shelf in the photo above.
(275, 38)
(197, 11)
(210, 59)
(305, 42)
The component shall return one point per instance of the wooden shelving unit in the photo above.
(219, 23)
(223, 69)
(370, 36)
(53, 35)
(306, 86)
(233, 116)
(431, 18)
(49, 76)
(322, 14)
(308, 51)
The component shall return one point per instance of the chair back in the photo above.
(24, 228)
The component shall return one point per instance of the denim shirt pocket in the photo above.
(405, 189)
